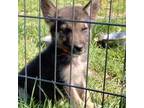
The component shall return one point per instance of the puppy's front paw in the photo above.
(91, 105)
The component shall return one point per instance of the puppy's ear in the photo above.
(92, 8)
(48, 9)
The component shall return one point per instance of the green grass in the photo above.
(115, 74)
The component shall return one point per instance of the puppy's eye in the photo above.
(63, 26)
(67, 30)
(84, 29)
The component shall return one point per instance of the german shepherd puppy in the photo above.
(72, 37)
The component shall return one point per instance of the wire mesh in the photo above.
(106, 55)
(25, 49)
(108, 23)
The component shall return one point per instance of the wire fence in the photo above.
(110, 18)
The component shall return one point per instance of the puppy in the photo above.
(70, 63)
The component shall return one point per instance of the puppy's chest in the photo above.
(76, 70)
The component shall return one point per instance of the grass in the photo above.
(115, 74)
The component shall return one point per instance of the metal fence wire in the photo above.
(107, 63)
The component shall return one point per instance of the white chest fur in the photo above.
(75, 71)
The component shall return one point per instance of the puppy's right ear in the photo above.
(48, 9)
(92, 8)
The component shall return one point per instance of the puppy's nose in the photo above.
(78, 48)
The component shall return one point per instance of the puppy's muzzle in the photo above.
(77, 49)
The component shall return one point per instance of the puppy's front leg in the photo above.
(89, 103)
(75, 96)
(77, 100)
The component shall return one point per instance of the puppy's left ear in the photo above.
(92, 8)
(48, 9)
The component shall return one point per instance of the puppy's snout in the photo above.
(78, 48)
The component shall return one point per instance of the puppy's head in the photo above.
(70, 34)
